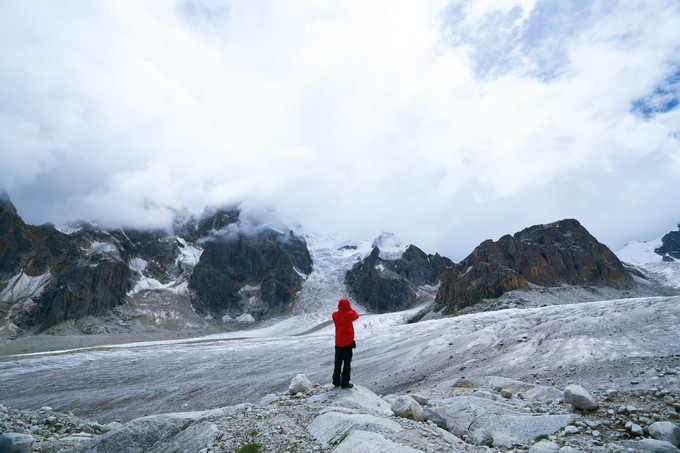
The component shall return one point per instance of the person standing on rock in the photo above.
(344, 343)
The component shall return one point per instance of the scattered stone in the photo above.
(578, 397)
(299, 383)
(506, 394)
(360, 440)
(652, 445)
(435, 417)
(636, 430)
(667, 431)
(420, 399)
(16, 443)
(480, 437)
(571, 429)
(407, 407)
(545, 446)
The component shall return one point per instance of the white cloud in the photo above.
(446, 122)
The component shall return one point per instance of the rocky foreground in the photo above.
(487, 414)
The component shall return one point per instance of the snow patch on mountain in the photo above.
(189, 254)
(23, 286)
(640, 252)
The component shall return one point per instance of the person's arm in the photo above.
(355, 315)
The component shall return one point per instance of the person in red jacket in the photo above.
(344, 343)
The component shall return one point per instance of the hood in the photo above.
(343, 305)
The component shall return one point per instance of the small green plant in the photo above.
(250, 448)
(253, 433)
(540, 438)
(343, 437)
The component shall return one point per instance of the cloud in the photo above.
(445, 122)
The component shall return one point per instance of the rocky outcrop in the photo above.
(384, 285)
(560, 253)
(324, 419)
(256, 274)
(56, 277)
(670, 245)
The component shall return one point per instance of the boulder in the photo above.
(579, 397)
(507, 425)
(331, 426)
(359, 440)
(358, 397)
(434, 417)
(16, 443)
(480, 437)
(407, 407)
(652, 445)
(568, 449)
(545, 446)
(666, 431)
(298, 384)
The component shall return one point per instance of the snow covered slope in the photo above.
(642, 257)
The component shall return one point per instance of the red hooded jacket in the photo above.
(343, 319)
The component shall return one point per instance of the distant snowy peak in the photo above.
(390, 246)
(640, 252)
(666, 248)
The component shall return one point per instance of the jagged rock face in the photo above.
(547, 255)
(79, 291)
(14, 238)
(670, 245)
(249, 274)
(390, 285)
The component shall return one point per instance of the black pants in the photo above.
(343, 362)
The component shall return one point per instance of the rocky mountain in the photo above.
(560, 253)
(670, 248)
(393, 281)
(50, 275)
(257, 275)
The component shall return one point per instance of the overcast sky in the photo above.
(445, 122)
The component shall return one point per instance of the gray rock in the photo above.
(193, 438)
(268, 399)
(506, 393)
(545, 446)
(480, 437)
(360, 440)
(331, 426)
(571, 429)
(407, 407)
(568, 449)
(636, 430)
(652, 445)
(667, 431)
(16, 443)
(357, 397)
(507, 425)
(578, 397)
(420, 399)
(299, 383)
(435, 417)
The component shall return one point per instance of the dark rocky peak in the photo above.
(670, 245)
(15, 238)
(560, 253)
(255, 273)
(216, 220)
(384, 284)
